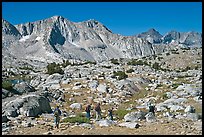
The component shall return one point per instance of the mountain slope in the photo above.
(56, 38)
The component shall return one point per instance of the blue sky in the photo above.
(125, 18)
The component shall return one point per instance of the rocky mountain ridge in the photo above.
(57, 38)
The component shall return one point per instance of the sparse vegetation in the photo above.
(7, 85)
(120, 113)
(26, 68)
(77, 119)
(130, 71)
(174, 86)
(120, 74)
(167, 54)
(54, 68)
(156, 66)
(115, 61)
(108, 67)
(135, 62)
(66, 63)
(90, 62)
(164, 96)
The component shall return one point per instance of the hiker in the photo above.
(152, 108)
(88, 110)
(98, 111)
(110, 113)
(57, 112)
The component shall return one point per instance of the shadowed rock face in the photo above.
(9, 29)
(56, 37)
(190, 39)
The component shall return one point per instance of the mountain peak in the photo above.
(9, 29)
(93, 21)
(152, 30)
(57, 17)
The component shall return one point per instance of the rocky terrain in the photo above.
(177, 94)
(91, 65)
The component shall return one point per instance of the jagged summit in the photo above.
(151, 35)
(9, 29)
(57, 17)
(152, 30)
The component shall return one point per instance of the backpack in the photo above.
(151, 109)
(97, 108)
(56, 113)
(87, 108)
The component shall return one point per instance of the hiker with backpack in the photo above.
(110, 113)
(98, 111)
(57, 112)
(152, 108)
(88, 110)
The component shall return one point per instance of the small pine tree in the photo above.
(54, 68)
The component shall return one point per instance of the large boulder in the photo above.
(54, 78)
(175, 101)
(4, 118)
(193, 116)
(28, 105)
(93, 84)
(129, 124)
(105, 123)
(5, 93)
(23, 87)
(134, 116)
(76, 106)
(161, 107)
(11, 112)
(128, 86)
(190, 109)
(36, 105)
(35, 81)
(102, 88)
(150, 117)
(175, 108)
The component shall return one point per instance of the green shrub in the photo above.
(66, 63)
(115, 61)
(78, 119)
(175, 85)
(120, 113)
(135, 62)
(174, 52)
(185, 48)
(120, 74)
(26, 68)
(156, 66)
(7, 85)
(108, 67)
(90, 62)
(54, 68)
(167, 54)
(130, 71)
(164, 96)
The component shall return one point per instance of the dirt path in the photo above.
(166, 128)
